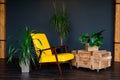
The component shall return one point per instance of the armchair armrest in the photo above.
(41, 50)
(63, 47)
(53, 49)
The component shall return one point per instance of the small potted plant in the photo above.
(24, 51)
(93, 42)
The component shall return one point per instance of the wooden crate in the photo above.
(82, 59)
(100, 59)
(75, 61)
(94, 60)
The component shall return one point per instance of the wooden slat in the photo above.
(2, 49)
(117, 1)
(2, 1)
(117, 33)
(2, 22)
(117, 23)
(2, 30)
(117, 52)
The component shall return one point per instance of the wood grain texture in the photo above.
(117, 1)
(117, 52)
(117, 23)
(2, 49)
(2, 22)
(2, 29)
(117, 32)
(2, 1)
(94, 60)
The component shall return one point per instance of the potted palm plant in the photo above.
(93, 42)
(60, 22)
(24, 51)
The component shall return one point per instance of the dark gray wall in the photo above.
(84, 15)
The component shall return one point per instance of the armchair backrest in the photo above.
(40, 42)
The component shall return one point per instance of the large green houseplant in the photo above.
(23, 50)
(60, 22)
(95, 39)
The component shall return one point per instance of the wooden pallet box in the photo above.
(100, 59)
(94, 60)
(75, 60)
(82, 59)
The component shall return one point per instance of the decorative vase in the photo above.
(89, 48)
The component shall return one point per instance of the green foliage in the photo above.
(24, 50)
(94, 40)
(60, 21)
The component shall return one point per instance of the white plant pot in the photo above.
(25, 67)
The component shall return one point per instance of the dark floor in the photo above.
(11, 71)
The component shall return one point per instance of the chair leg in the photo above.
(37, 66)
(59, 67)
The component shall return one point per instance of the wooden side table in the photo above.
(94, 60)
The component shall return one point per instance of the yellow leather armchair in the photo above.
(47, 54)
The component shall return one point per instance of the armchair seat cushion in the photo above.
(62, 57)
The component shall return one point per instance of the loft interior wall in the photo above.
(85, 16)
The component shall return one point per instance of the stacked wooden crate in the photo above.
(94, 60)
